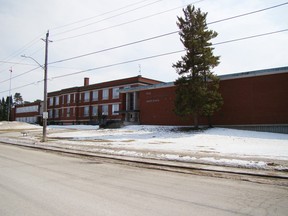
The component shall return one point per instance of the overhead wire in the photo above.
(19, 51)
(229, 41)
(26, 72)
(151, 57)
(31, 43)
(93, 17)
(104, 19)
(125, 23)
(163, 35)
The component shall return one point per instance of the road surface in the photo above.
(41, 183)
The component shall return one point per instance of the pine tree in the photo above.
(18, 98)
(1, 109)
(4, 109)
(197, 87)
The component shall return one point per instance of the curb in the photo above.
(168, 165)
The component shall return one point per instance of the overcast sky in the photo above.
(79, 27)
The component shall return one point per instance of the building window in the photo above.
(51, 101)
(95, 95)
(86, 96)
(104, 109)
(115, 93)
(68, 112)
(56, 112)
(72, 96)
(50, 114)
(115, 109)
(86, 111)
(95, 111)
(68, 99)
(105, 94)
(57, 100)
(27, 109)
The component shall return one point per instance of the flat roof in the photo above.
(263, 72)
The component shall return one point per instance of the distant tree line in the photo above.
(4, 108)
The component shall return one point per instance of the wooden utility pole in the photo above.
(45, 113)
(9, 97)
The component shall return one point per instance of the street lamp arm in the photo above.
(24, 56)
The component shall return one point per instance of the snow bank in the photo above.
(171, 139)
(5, 125)
(225, 147)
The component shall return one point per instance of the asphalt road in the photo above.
(40, 183)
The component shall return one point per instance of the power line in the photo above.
(250, 37)
(20, 74)
(249, 13)
(229, 41)
(163, 35)
(170, 53)
(19, 51)
(15, 63)
(116, 47)
(93, 17)
(125, 23)
(151, 57)
(109, 17)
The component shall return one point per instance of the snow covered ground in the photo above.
(219, 146)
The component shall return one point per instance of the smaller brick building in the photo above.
(30, 112)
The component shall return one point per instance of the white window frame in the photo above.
(68, 98)
(51, 101)
(86, 96)
(57, 100)
(95, 95)
(50, 113)
(115, 93)
(95, 110)
(105, 94)
(56, 113)
(115, 107)
(86, 111)
(104, 111)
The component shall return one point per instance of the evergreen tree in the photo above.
(9, 104)
(18, 98)
(4, 110)
(1, 109)
(197, 87)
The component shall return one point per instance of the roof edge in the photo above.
(262, 72)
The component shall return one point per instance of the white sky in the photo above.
(24, 22)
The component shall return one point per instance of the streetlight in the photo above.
(24, 56)
(45, 113)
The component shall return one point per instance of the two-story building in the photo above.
(86, 104)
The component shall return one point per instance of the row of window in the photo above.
(27, 119)
(68, 112)
(85, 96)
(27, 109)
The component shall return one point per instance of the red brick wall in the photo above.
(156, 107)
(252, 100)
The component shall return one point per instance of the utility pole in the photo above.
(45, 113)
(9, 98)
